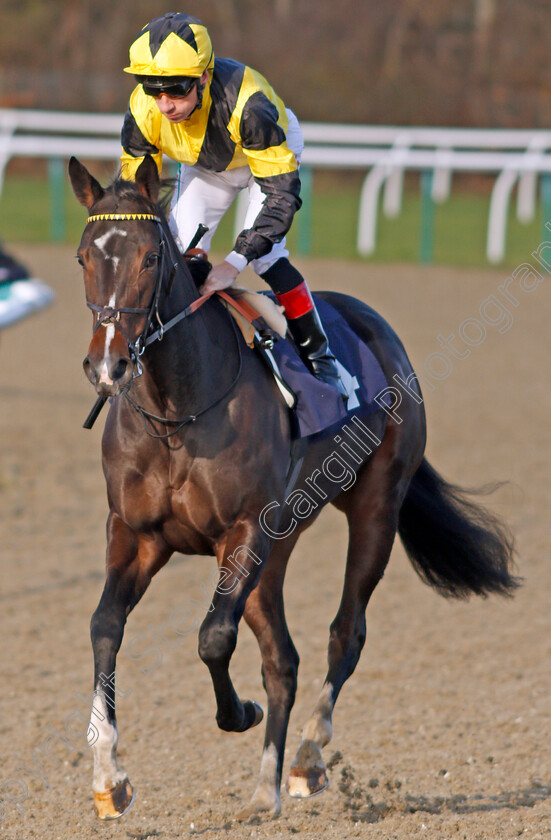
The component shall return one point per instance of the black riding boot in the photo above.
(293, 294)
(309, 336)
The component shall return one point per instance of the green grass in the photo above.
(26, 212)
(460, 225)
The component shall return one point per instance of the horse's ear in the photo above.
(85, 187)
(147, 178)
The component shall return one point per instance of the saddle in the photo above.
(316, 408)
(262, 323)
(255, 312)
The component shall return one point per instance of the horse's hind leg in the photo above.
(131, 563)
(264, 613)
(372, 510)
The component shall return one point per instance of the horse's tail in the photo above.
(455, 545)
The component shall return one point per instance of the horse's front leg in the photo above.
(132, 560)
(265, 615)
(240, 559)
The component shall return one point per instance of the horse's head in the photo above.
(120, 252)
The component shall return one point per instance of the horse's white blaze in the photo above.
(103, 373)
(107, 773)
(102, 241)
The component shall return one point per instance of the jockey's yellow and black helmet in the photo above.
(175, 45)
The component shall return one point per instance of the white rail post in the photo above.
(394, 186)
(7, 130)
(442, 178)
(528, 182)
(369, 200)
(497, 219)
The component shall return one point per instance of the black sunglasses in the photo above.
(170, 87)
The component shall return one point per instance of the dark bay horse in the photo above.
(197, 456)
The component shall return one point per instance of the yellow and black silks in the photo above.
(242, 122)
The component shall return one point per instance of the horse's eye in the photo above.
(80, 260)
(151, 261)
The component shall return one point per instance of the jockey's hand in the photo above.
(220, 277)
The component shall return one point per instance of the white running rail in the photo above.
(516, 156)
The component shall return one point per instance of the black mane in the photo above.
(120, 190)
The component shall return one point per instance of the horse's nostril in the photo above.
(120, 369)
(88, 369)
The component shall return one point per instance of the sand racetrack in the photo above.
(443, 730)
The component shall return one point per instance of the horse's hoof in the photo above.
(307, 775)
(258, 809)
(252, 715)
(259, 713)
(251, 813)
(307, 781)
(114, 803)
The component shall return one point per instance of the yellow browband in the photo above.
(115, 217)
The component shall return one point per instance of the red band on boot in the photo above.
(297, 302)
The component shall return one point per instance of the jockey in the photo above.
(229, 131)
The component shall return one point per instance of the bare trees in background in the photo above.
(447, 62)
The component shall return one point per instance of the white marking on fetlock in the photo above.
(267, 794)
(319, 728)
(107, 773)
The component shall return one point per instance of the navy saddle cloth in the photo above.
(319, 407)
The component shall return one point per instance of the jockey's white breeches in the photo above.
(203, 197)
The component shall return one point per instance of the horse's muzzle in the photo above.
(108, 365)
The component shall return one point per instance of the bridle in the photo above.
(170, 262)
(112, 315)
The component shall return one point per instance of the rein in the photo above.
(150, 418)
(111, 315)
